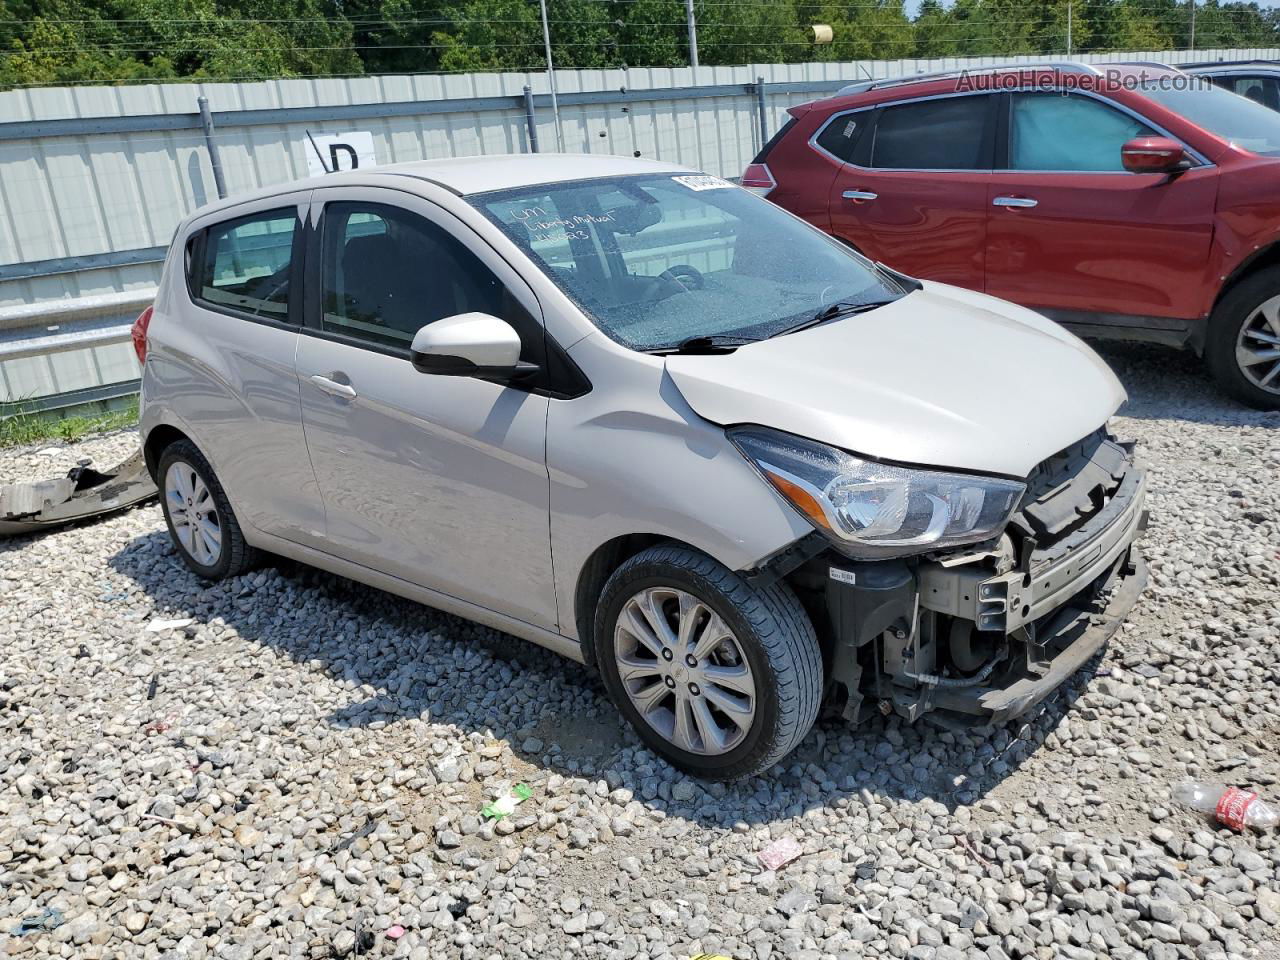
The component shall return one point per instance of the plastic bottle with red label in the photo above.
(1233, 807)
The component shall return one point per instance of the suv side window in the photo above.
(1260, 89)
(243, 265)
(840, 137)
(950, 133)
(1049, 131)
(386, 272)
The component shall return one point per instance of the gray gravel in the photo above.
(301, 766)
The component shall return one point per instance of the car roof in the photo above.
(466, 175)
(469, 175)
(1231, 66)
(884, 88)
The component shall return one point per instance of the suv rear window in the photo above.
(244, 264)
(945, 134)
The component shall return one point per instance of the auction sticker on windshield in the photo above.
(703, 182)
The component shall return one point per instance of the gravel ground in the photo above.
(299, 767)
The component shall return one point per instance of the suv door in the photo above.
(1071, 230)
(913, 191)
(437, 480)
(224, 365)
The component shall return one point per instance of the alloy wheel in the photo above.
(193, 513)
(1258, 346)
(684, 671)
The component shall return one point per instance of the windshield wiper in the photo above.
(714, 343)
(833, 311)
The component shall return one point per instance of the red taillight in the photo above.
(139, 334)
(758, 179)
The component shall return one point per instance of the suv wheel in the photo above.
(1243, 346)
(199, 517)
(721, 679)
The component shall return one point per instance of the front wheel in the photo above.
(721, 679)
(1243, 345)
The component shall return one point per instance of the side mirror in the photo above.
(1153, 155)
(469, 345)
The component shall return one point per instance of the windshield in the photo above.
(1242, 121)
(656, 260)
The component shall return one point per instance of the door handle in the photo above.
(334, 388)
(859, 195)
(1013, 202)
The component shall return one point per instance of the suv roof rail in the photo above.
(1144, 63)
(1231, 63)
(1066, 66)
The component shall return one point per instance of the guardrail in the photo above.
(59, 325)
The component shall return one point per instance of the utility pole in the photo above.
(693, 33)
(551, 76)
(1192, 45)
(1068, 29)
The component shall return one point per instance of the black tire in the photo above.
(1232, 312)
(236, 556)
(776, 638)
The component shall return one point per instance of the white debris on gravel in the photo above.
(302, 767)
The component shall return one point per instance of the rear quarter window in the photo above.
(840, 136)
(245, 265)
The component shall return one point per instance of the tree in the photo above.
(113, 41)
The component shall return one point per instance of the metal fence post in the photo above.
(530, 120)
(763, 109)
(693, 32)
(206, 121)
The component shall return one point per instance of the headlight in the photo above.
(873, 510)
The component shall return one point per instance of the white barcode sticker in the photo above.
(703, 182)
(842, 576)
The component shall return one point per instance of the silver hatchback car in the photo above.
(642, 417)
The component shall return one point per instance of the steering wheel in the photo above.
(682, 272)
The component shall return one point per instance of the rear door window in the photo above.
(244, 265)
(1049, 131)
(949, 133)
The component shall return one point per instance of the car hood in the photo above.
(943, 377)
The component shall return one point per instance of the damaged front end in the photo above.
(989, 632)
(83, 493)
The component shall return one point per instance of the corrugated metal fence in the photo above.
(94, 179)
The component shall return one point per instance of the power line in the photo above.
(529, 72)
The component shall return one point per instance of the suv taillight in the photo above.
(139, 334)
(758, 179)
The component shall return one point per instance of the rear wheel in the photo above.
(722, 679)
(199, 516)
(1243, 345)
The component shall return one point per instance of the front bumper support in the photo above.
(1073, 636)
(1008, 602)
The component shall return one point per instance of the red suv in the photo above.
(1131, 201)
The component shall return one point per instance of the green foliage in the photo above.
(116, 41)
(20, 428)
